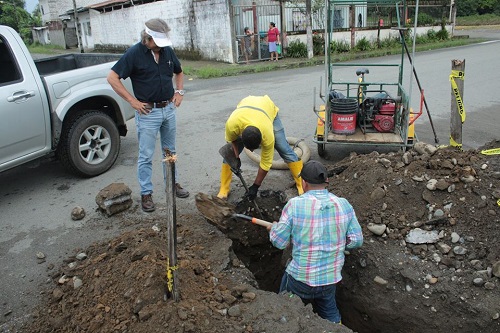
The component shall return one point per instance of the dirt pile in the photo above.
(431, 257)
(430, 261)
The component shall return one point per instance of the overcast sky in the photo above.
(31, 5)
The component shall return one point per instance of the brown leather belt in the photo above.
(162, 104)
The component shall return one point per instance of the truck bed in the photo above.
(66, 62)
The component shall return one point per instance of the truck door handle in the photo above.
(20, 95)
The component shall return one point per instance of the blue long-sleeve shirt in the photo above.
(320, 227)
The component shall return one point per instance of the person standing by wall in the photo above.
(247, 43)
(151, 65)
(273, 38)
(319, 226)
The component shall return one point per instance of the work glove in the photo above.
(252, 192)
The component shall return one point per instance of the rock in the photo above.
(40, 255)
(407, 158)
(460, 250)
(77, 213)
(57, 294)
(183, 315)
(428, 196)
(234, 311)
(385, 162)
(451, 188)
(436, 258)
(476, 264)
(63, 279)
(431, 184)
(442, 185)
(114, 198)
(77, 282)
(418, 178)
(378, 193)
(249, 296)
(478, 282)
(380, 280)
(424, 148)
(238, 291)
(484, 166)
(399, 165)
(455, 237)
(468, 179)
(419, 236)
(438, 213)
(81, 256)
(447, 261)
(145, 314)
(377, 229)
(496, 269)
(489, 285)
(228, 298)
(443, 248)
(484, 274)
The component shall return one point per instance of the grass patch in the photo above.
(390, 48)
(45, 49)
(478, 20)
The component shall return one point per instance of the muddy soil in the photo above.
(430, 261)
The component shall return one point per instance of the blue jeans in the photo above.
(322, 298)
(280, 143)
(158, 120)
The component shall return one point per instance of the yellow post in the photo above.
(320, 128)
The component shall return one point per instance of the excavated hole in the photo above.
(251, 242)
(252, 246)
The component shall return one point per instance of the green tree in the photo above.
(473, 7)
(13, 14)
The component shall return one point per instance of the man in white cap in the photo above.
(320, 226)
(151, 65)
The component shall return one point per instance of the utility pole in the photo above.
(77, 25)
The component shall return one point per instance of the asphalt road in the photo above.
(36, 200)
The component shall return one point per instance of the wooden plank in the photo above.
(359, 137)
(171, 217)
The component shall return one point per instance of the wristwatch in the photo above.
(180, 92)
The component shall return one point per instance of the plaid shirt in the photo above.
(320, 226)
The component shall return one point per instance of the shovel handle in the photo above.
(261, 222)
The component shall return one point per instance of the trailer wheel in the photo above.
(89, 146)
(299, 147)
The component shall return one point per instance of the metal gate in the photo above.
(257, 19)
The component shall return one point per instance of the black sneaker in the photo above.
(147, 203)
(180, 192)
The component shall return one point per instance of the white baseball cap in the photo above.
(161, 39)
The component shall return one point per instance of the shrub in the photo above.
(422, 39)
(318, 44)
(363, 45)
(443, 33)
(425, 19)
(339, 46)
(431, 34)
(390, 42)
(297, 49)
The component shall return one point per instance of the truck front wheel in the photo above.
(89, 146)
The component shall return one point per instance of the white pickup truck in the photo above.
(62, 105)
